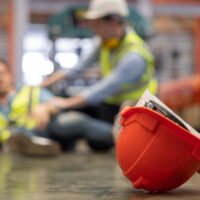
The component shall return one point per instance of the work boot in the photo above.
(33, 146)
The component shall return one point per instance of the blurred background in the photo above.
(37, 37)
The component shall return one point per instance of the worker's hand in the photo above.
(66, 103)
(59, 102)
(42, 115)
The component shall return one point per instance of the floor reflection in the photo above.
(78, 176)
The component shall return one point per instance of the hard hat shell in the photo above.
(155, 153)
(102, 8)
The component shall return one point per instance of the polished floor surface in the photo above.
(79, 176)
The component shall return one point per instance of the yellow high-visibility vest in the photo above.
(131, 43)
(26, 99)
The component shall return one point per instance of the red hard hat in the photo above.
(155, 153)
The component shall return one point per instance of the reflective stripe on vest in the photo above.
(131, 43)
(27, 98)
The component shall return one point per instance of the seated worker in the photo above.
(127, 66)
(26, 122)
(18, 130)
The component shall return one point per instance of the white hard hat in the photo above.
(102, 8)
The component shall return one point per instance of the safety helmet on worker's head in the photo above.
(101, 8)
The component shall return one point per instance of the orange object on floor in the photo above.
(180, 93)
(155, 153)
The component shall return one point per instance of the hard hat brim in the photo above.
(93, 15)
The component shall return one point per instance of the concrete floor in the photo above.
(76, 176)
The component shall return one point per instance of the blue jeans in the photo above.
(68, 127)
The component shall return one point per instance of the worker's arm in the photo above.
(84, 63)
(55, 77)
(129, 70)
(43, 112)
(71, 102)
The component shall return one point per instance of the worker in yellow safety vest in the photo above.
(127, 66)
(22, 113)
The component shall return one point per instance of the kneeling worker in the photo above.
(127, 66)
